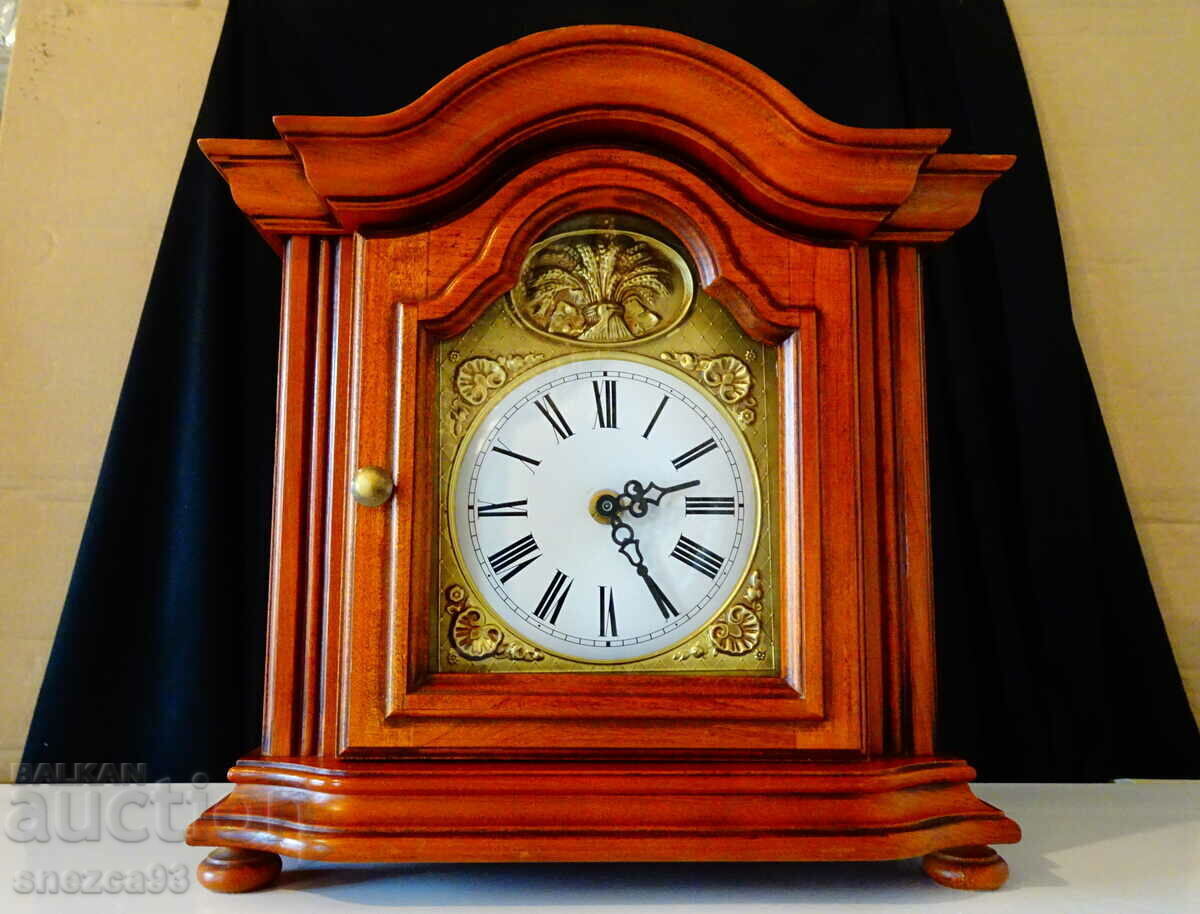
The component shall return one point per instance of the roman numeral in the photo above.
(606, 403)
(511, 555)
(556, 593)
(506, 509)
(608, 613)
(507, 453)
(554, 417)
(692, 553)
(654, 418)
(694, 454)
(701, 504)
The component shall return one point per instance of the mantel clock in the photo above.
(601, 519)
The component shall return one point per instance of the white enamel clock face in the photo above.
(529, 492)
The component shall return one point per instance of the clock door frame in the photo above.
(398, 230)
(464, 265)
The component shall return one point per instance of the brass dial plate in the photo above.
(499, 351)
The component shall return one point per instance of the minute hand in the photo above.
(627, 542)
(664, 605)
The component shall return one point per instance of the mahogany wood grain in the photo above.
(915, 559)
(605, 85)
(332, 657)
(459, 811)
(946, 197)
(283, 694)
(742, 263)
(315, 564)
(578, 86)
(398, 231)
(268, 185)
(877, 397)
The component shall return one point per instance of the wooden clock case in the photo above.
(397, 231)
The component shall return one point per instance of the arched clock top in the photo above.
(605, 86)
(763, 278)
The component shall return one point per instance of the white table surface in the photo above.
(1095, 848)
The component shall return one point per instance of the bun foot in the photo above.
(976, 867)
(236, 869)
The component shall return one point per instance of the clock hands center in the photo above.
(628, 544)
(637, 498)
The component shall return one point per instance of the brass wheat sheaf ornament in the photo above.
(602, 286)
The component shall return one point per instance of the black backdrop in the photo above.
(1053, 661)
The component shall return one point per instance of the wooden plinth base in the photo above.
(235, 869)
(975, 867)
(457, 811)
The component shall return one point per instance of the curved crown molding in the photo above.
(615, 86)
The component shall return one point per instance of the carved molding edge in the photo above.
(736, 631)
(477, 378)
(727, 376)
(475, 635)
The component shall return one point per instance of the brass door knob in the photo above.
(371, 486)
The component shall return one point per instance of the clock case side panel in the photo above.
(894, 478)
(303, 640)
(460, 267)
